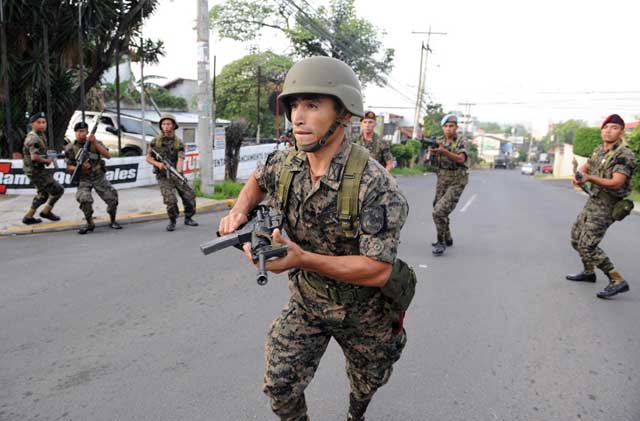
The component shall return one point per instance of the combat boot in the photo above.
(172, 225)
(114, 224)
(190, 222)
(88, 227)
(448, 242)
(49, 215)
(353, 418)
(583, 276)
(357, 408)
(439, 248)
(30, 220)
(616, 285)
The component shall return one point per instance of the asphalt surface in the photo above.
(139, 325)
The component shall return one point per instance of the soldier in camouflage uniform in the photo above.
(450, 158)
(171, 148)
(378, 148)
(34, 158)
(92, 176)
(609, 170)
(336, 265)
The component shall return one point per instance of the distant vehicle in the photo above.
(546, 168)
(527, 169)
(500, 161)
(107, 133)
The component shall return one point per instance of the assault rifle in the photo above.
(259, 232)
(83, 154)
(170, 169)
(584, 188)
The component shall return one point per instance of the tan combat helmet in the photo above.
(168, 117)
(324, 76)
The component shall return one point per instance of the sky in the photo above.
(531, 62)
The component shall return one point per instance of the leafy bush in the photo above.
(634, 144)
(586, 140)
(407, 154)
(222, 190)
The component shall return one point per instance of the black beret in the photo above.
(36, 116)
(80, 125)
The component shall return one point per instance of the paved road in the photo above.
(138, 325)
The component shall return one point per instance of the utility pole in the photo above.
(258, 111)
(118, 86)
(205, 112)
(142, 105)
(467, 115)
(423, 76)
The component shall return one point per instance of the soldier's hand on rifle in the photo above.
(438, 150)
(86, 166)
(292, 260)
(232, 222)
(161, 166)
(92, 138)
(48, 161)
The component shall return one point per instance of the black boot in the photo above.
(114, 224)
(439, 248)
(583, 276)
(190, 222)
(172, 225)
(357, 409)
(50, 216)
(617, 285)
(448, 241)
(88, 227)
(30, 220)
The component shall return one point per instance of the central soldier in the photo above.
(343, 214)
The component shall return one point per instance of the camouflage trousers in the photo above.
(587, 232)
(299, 337)
(104, 189)
(168, 187)
(48, 189)
(449, 188)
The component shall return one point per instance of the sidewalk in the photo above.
(135, 205)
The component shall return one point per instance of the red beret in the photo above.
(615, 119)
(369, 114)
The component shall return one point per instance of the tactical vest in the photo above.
(348, 201)
(176, 143)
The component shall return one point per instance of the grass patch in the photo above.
(416, 170)
(635, 196)
(222, 190)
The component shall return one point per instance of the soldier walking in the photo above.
(609, 170)
(92, 176)
(34, 159)
(341, 258)
(171, 148)
(450, 159)
(378, 148)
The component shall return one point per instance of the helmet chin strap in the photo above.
(315, 146)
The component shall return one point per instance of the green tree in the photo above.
(585, 141)
(105, 29)
(431, 122)
(634, 144)
(565, 132)
(237, 89)
(490, 127)
(335, 31)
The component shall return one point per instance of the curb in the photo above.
(125, 219)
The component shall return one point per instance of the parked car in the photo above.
(131, 129)
(527, 169)
(546, 168)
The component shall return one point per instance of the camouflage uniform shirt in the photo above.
(171, 149)
(378, 148)
(456, 146)
(619, 159)
(311, 212)
(34, 143)
(95, 159)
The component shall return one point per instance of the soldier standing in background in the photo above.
(34, 159)
(378, 148)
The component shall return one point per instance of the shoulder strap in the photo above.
(286, 177)
(158, 142)
(176, 144)
(348, 203)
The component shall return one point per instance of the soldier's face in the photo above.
(167, 127)
(81, 134)
(311, 118)
(611, 132)
(367, 125)
(449, 130)
(40, 125)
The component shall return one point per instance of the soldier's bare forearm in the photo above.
(358, 270)
(250, 196)
(613, 183)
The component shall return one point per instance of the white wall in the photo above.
(563, 161)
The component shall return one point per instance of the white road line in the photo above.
(464, 208)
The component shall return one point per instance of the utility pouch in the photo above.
(622, 209)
